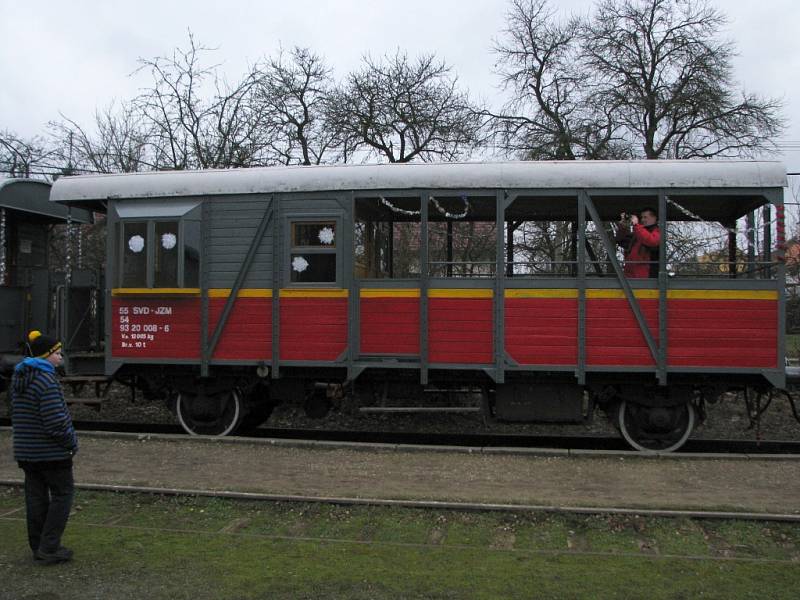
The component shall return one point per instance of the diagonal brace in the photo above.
(237, 285)
(626, 286)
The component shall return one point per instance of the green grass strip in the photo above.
(143, 546)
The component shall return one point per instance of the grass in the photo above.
(145, 546)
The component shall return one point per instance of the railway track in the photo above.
(482, 440)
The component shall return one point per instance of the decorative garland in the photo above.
(398, 210)
(452, 215)
(692, 215)
(439, 207)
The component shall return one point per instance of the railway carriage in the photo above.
(232, 290)
(31, 294)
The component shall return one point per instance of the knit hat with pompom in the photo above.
(41, 345)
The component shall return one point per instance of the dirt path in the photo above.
(748, 485)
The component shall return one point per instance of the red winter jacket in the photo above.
(641, 250)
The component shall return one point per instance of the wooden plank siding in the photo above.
(460, 326)
(723, 333)
(248, 332)
(540, 330)
(613, 336)
(231, 226)
(313, 325)
(705, 328)
(389, 323)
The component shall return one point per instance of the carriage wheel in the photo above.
(202, 414)
(655, 429)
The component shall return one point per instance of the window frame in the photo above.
(289, 248)
(150, 250)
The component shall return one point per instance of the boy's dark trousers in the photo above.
(48, 499)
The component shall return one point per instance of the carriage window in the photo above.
(322, 234)
(166, 254)
(461, 236)
(387, 238)
(134, 255)
(160, 254)
(313, 255)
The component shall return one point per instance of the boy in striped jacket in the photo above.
(44, 444)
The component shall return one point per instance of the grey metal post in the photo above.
(780, 281)
(205, 235)
(423, 288)
(277, 263)
(580, 371)
(751, 245)
(354, 293)
(499, 291)
(663, 280)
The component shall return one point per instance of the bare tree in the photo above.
(557, 110)
(670, 77)
(121, 142)
(293, 92)
(638, 78)
(25, 158)
(200, 121)
(401, 110)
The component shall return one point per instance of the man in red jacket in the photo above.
(640, 237)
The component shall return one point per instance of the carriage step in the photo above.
(93, 403)
(85, 379)
(85, 401)
(420, 409)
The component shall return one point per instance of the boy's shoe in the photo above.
(60, 555)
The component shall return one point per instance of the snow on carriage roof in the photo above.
(640, 174)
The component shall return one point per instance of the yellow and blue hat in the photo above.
(42, 346)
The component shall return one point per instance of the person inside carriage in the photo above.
(640, 238)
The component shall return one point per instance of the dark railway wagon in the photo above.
(232, 290)
(31, 294)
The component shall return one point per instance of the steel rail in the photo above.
(433, 504)
(601, 446)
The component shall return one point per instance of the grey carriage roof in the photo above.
(508, 175)
(30, 196)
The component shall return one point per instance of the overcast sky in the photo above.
(74, 56)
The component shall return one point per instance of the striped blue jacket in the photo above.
(40, 420)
